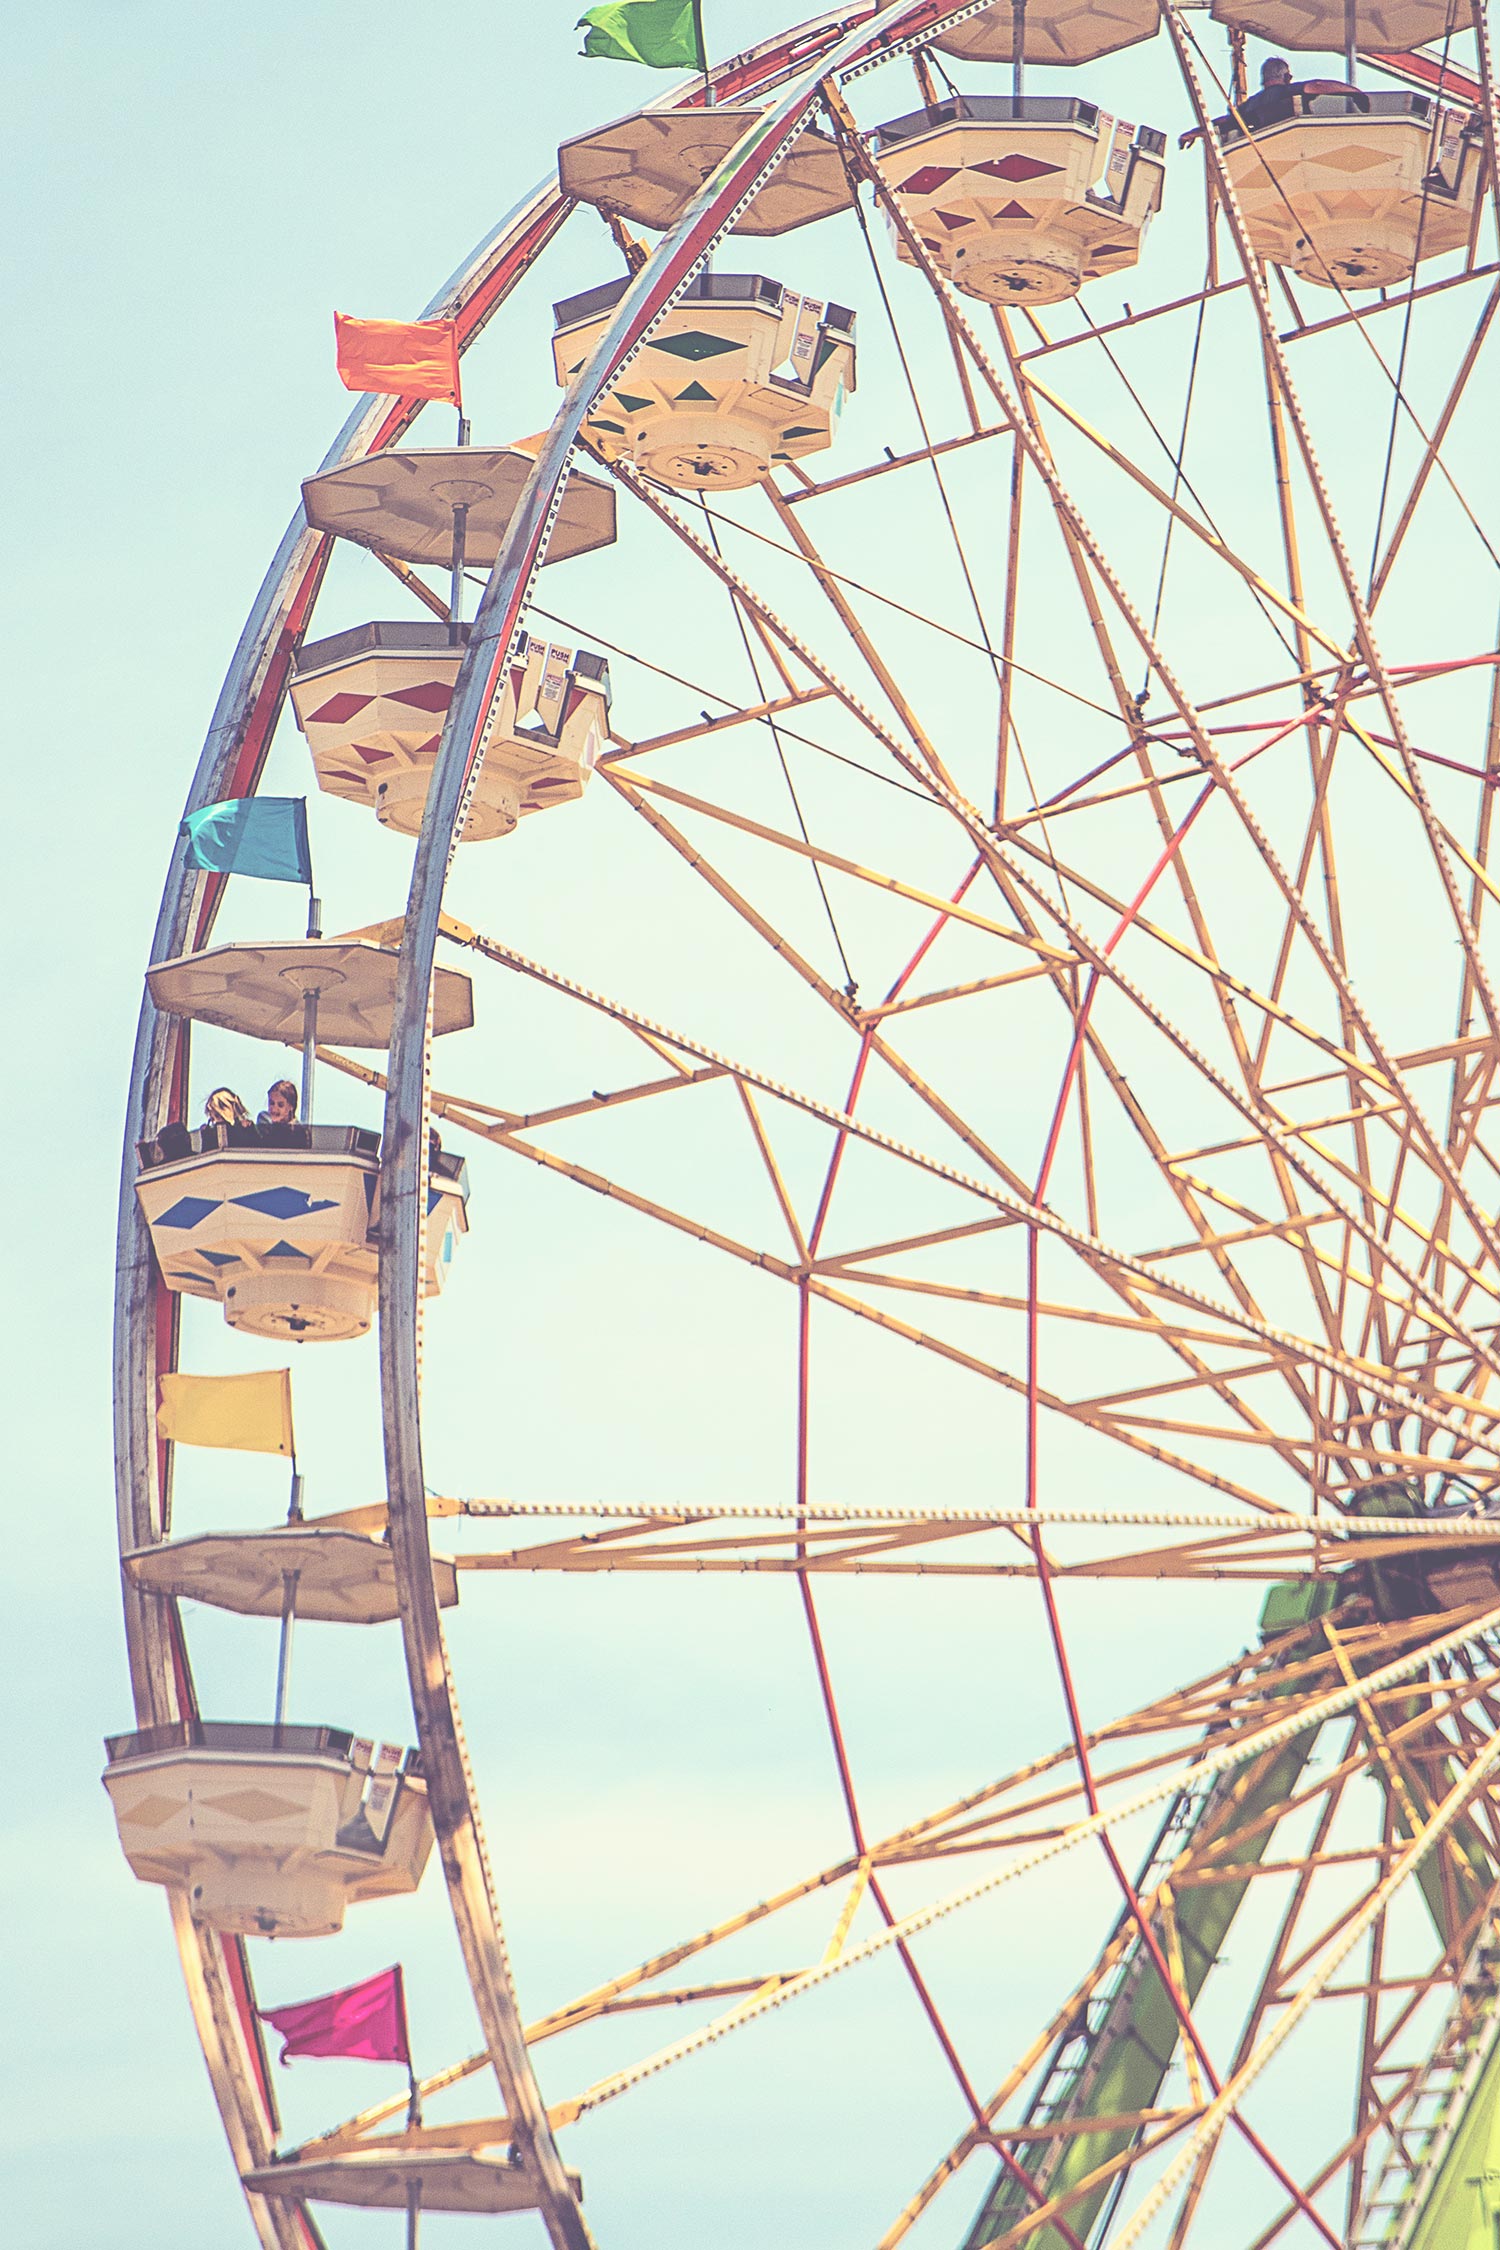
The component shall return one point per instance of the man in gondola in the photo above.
(1276, 101)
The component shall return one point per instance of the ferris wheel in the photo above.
(1016, 688)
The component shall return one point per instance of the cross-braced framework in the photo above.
(1056, 850)
(1221, 1765)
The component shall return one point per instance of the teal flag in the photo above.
(662, 34)
(264, 836)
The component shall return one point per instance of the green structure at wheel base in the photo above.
(1132, 2049)
(1462, 2209)
(1135, 2049)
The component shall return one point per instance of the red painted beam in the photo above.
(1433, 76)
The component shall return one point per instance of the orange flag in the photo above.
(403, 358)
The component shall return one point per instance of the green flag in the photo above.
(662, 34)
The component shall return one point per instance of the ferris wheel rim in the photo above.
(146, 1316)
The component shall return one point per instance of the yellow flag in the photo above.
(252, 1413)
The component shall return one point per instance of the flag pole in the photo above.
(413, 2115)
(460, 527)
(294, 1497)
(708, 84)
(310, 1012)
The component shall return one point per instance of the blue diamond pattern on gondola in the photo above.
(188, 1210)
(282, 1203)
(288, 1250)
(219, 1257)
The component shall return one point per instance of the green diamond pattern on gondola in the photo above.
(694, 345)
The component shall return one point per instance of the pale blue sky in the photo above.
(191, 191)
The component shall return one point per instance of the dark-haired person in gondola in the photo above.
(1277, 100)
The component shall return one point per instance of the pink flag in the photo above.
(367, 2021)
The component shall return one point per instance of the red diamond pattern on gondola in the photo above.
(338, 708)
(431, 695)
(1012, 211)
(952, 220)
(930, 176)
(1014, 168)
